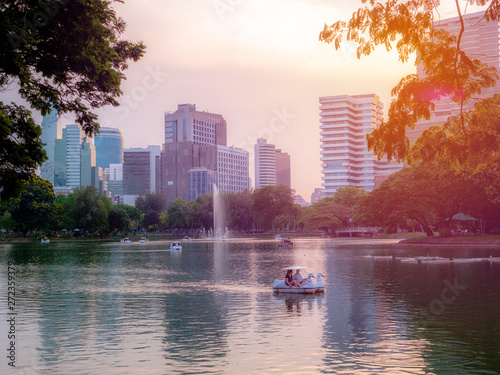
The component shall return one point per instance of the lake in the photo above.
(110, 308)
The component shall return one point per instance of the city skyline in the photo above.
(265, 80)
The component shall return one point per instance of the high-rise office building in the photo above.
(51, 131)
(481, 40)
(177, 159)
(189, 125)
(74, 137)
(74, 160)
(88, 171)
(108, 147)
(232, 168)
(195, 140)
(265, 163)
(201, 181)
(140, 167)
(283, 171)
(346, 160)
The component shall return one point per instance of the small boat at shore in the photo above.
(187, 238)
(45, 240)
(306, 287)
(125, 240)
(144, 240)
(175, 246)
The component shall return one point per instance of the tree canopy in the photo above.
(66, 55)
(429, 196)
(469, 141)
(36, 208)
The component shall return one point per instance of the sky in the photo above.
(259, 63)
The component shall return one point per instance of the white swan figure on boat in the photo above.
(320, 287)
(307, 287)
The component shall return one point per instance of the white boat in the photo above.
(307, 287)
(277, 237)
(175, 246)
(45, 240)
(125, 240)
(285, 242)
(187, 238)
(224, 238)
(144, 240)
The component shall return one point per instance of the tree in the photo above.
(20, 149)
(325, 215)
(65, 55)
(68, 218)
(92, 209)
(238, 210)
(269, 202)
(428, 196)
(118, 219)
(154, 202)
(349, 196)
(151, 220)
(133, 212)
(203, 211)
(180, 214)
(448, 72)
(36, 208)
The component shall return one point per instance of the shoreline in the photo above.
(479, 241)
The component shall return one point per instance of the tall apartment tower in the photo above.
(51, 130)
(345, 122)
(480, 40)
(108, 147)
(265, 163)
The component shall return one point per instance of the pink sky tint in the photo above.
(258, 63)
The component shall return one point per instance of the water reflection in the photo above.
(115, 309)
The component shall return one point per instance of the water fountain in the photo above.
(220, 229)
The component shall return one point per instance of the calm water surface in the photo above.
(95, 308)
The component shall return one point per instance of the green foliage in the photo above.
(269, 202)
(68, 217)
(21, 150)
(92, 210)
(325, 215)
(151, 220)
(118, 219)
(133, 212)
(62, 54)
(349, 196)
(67, 54)
(35, 209)
(238, 210)
(203, 211)
(154, 202)
(425, 195)
(469, 140)
(180, 214)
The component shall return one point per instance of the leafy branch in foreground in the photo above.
(449, 72)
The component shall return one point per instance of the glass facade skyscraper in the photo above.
(108, 147)
(51, 130)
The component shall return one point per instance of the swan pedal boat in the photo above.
(307, 287)
(144, 240)
(175, 246)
